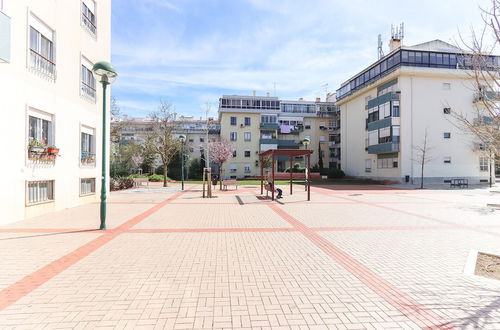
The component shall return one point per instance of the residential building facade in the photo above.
(254, 124)
(389, 109)
(53, 103)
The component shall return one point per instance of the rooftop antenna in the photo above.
(380, 50)
(398, 33)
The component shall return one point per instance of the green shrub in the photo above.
(120, 183)
(156, 177)
(335, 173)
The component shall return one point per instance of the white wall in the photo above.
(21, 88)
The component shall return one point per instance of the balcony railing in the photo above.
(87, 158)
(89, 24)
(269, 126)
(42, 64)
(87, 90)
(486, 96)
(383, 148)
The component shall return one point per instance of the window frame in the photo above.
(92, 185)
(38, 182)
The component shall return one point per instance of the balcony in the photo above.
(383, 148)
(4, 38)
(42, 64)
(268, 141)
(486, 96)
(88, 91)
(89, 25)
(269, 126)
(387, 97)
(288, 144)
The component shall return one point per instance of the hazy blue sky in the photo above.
(189, 52)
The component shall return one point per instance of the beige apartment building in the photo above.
(254, 124)
(53, 102)
(388, 107)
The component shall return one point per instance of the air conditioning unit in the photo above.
(242, 125)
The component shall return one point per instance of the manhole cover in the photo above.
(488, 265)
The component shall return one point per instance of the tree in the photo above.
(160, 139)
(117, 119)
(484, 73)
(220, 152)
(422, 157)
(320, 155)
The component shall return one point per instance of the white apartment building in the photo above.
(253, 124)
(50, 100)
(387, 108)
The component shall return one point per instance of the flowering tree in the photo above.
(137, 160)
(220, 152)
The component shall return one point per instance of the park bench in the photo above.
(461, 183)
(139, 181)
(231, 182)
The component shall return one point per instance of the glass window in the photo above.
(233, 136)
(247, 153)
(425, 58)
(404, 56)
(439, 59)
(483, 163)
(432, 58)
(418, 57)
(40, 191)
(247, 136)
(40, 130)
(447, 135)
(234, 153)
(395, 108)
(411, 57)
(446, 59)
(233, 121)
(447, 160)
(247, 121)
(87, 186)
(88, 16)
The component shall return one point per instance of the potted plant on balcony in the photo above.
(36, 146)
(53, 150)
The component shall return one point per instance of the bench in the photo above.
(139, 181)
(459, 183)
(232, 182)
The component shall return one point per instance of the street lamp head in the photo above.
(306, 141)
(106, 71)
(182, 138)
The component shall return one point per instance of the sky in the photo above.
(191, 52)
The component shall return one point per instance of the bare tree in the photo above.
(422, 157)
(160, 140)
(117, 121)
(484, 73)
(220, 152)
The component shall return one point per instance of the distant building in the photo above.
(387, 108)
(258, 123)
(51, 99)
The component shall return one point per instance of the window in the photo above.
(234, 153)
(40, 128)
(247, 168)
(88, 16)
(483, 163)
(446, 111)
(247, 153)
(247, 121)
(233, 168)
(447, 135)
(268, 119)
(447, 160)
(387, 160)
(446, 86)
(233, 121)
(40, 191)
(395, 108)
(42, 50)
(233, 136)
(202, 139)
(307, 124)
(87, 186)
(87, 141)
(372, 138)
(191, 140)
(87, 86)
(247, 136)
(321, 138)
(368, 165)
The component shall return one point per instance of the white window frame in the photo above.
(37, 60)
(233, 136)
(90, 183)
(483, 164)
(368, 165)
(247, 168)
(247, 136)
(87, 157)
(41, 116)
(42, 197)
(85, 21)
(87, 82)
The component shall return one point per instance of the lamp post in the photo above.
(306, 142)
(182, 138)
(107, 74)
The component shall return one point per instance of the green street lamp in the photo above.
(182, 138)
(107, 74)
(306, 142)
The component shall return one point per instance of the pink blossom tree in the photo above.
(220, 152)
(137, 160)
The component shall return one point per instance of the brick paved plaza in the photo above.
(354, 257)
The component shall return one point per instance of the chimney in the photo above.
(267, 94)
(394, 44)
(254, 92)
(318, 99)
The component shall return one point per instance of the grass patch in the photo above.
(324, 182)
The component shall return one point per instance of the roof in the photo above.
(286, 152)
(435, 46)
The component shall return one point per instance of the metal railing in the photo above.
(40, 191)
(89, 24)
(87, 158)
(42, 64)
(87, 90)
